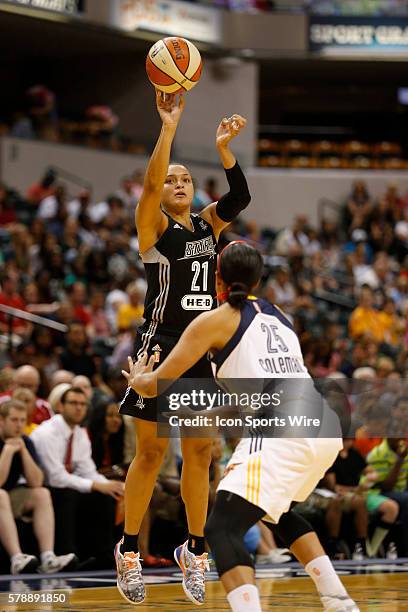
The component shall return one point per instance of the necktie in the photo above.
(68, 454)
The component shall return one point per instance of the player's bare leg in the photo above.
(191, 556)
(142, 474)
(140, 481)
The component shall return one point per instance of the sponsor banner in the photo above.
(58, 6)
(171, 17)
(361, 34)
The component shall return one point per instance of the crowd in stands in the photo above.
(344, 285)
(39, 118)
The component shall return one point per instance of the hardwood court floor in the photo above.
(374, 593)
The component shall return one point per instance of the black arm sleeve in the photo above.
(232, 203)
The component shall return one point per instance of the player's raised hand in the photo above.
(228, 129)
(170, 107)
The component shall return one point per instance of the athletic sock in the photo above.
(245, 599)
(47, 554)
(325, 578)
(196, 544)
(130, 543)
(378, 537)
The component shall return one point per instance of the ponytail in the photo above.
(237, 294)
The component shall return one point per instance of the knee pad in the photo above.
(290, 527)
(225, 530)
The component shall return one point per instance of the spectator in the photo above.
(132, 312)
(137, 183)
(76, 358)
(7, 212)
(280, 290)
(79, 206)
(43, 112)
(77, 298)
(389, 460)
(83, 383)
(293, 240)
(127, 195)
(19, 459)
(57, 392)
(9, 296)
(369, 435)
(29, 377)
(61, 376)
(343, 478)
(26, 397)
(83, 498)
(6, 379)
(107, 431)
(385, 511)
(358, 206)
(113, 301)
(45, 188)
(99, 321)
(211, 188)
(53, 207)
(393, 326)
(364, 320)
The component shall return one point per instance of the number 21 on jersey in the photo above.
(197, 267)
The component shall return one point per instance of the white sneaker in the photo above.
(358, 554)
(54, 564)
(392, 552)
(276, 555)
(339, 604)
(24, 564)
(129, 576)
(193, 568)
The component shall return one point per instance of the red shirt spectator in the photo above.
(77, 297)
(10, 297)
(43, 189)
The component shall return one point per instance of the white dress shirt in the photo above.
(51, 440)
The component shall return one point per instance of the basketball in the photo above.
(174, 65)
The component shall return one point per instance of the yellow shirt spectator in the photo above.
(131, 313)
(128, 314)
(364, 320)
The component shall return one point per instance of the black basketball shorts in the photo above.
(160, 344)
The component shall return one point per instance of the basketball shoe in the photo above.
(53, 563)
(193, 568)
(129, 576)
(23, 564)
(339, 604)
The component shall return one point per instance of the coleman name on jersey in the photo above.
(199, 248)
(282, 365)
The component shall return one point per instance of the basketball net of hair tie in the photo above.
(223, 297)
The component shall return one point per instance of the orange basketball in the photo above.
(174, 64)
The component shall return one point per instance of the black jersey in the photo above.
(180, 272)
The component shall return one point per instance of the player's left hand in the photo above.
(137, 369)
(228, 129)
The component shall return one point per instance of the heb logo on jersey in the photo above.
(199, 248)
(197, 302)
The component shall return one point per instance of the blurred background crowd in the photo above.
(325, 151)
(344, 284)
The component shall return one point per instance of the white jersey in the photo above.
(272, 472)
(265, 345)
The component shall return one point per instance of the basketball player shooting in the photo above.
(178, 250)
(265, 475)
